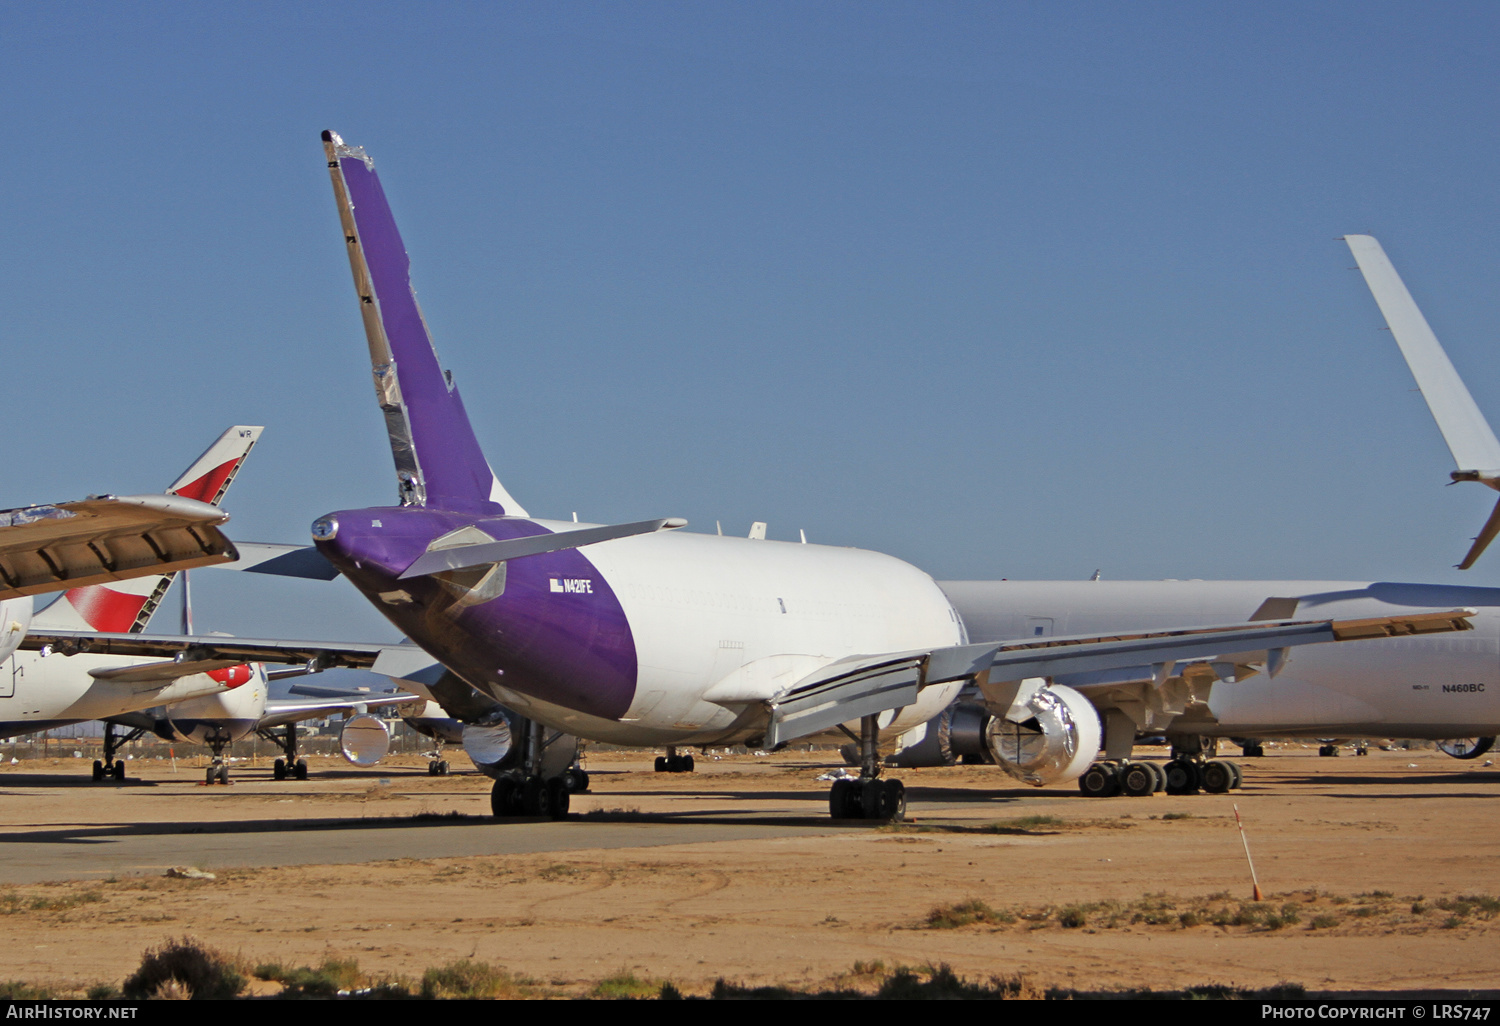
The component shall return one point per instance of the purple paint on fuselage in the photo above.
(454, 469)
(572, 647)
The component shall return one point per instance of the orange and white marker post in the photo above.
(1254, 883)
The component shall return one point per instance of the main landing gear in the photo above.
(111, 768)
(437, 766)
(1182, 775)
(869, 797)
(674, 763)
(523, 792)
(291, 766)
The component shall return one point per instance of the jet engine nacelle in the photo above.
(1055, 744)
(364, 740)
(957, 731)
(496, 748)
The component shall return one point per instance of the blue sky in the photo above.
(1007, 290)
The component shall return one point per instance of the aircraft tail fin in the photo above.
(438, 459)
(122, 607)
(1465, 429)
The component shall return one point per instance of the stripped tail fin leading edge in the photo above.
(438, 459)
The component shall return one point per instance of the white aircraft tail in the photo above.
(1468, 434)
(126, 606)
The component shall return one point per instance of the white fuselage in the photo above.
(703, 607)
(1435, 687)
(39, 690)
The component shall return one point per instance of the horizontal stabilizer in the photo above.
(283, 561)
(107, 538)
(485, 553)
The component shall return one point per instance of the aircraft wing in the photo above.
(318, 655)
(1465, 429)
(107, 538)
(867, 685)
(283, 711)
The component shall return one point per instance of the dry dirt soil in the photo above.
(1378, 873)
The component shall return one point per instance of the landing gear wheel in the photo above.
(1183, 777)
(1161, 775)
(278, 769)
(557, 798)
(892, 801)
(1239, 775)
(535, 801)
(1138, 779)
(841, 801)
(576, 780)
(224, 774)
(661, 764)
(432, 769)
(98, 770)
(1218, 778)
(687, 764)
(1253, 749)
(300, 770)
(1099, 781)
(443, 768)
(503, 798)
(212, 776)
(1329, 751)
(118, 772)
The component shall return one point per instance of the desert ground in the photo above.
(1378, 873)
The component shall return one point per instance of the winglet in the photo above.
(1466, 431)
(438, 459)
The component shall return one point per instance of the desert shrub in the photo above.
(965, 913)
(196, 970)
(324, 981)
(469, 979)
(624, 985)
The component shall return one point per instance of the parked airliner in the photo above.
(659, 636)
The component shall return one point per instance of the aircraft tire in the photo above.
(1183, 777)
(558, 797)
(1218, 778)
(1138, 779)
(1099, 781)
(841, 803)
(278, 769)
(300, 770)
(98, 770)
(1238, 774)
(503, 798)
(661, 764)
(118, 771)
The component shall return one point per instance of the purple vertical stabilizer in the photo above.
(438, 460)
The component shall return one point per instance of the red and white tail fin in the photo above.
(126, 606)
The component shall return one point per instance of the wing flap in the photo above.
(322, 655)
(107, 538)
